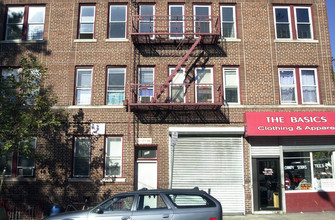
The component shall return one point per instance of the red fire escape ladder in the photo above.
(174, 73)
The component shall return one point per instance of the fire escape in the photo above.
(188, 94)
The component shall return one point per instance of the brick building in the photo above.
(233, 96)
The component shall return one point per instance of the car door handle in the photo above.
(166, 216)
(126, 218)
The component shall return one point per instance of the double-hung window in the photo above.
(228, 25)
(113, 157)
(297, 26)
(115, 87)
(231, 85)
(303, 21)
(25, 23)
(202, 19)
(176, 21)
(117, 21)
(298, 86)
(146, 19)
(19, 164)
(146, 86)
(177, 86)
(204, 85)
(83, 86)
(86, 22)
(81, 158)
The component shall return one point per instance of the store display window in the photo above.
(309, 170)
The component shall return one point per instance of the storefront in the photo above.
(292, 157)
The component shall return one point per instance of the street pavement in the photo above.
(288, 216)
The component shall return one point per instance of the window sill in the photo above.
(80, 180)
(22, 41)
(85, 40)
(117, 40)
(295, 41)
(20, 179)
(113, 180)
(230, 40)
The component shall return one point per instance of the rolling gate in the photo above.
(213, 164)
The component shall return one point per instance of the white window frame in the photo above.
(316, 86)
(141, 97)
(78, 88)
(74, 157)
(123, 70)
(209, 16)
(115, 157)
(31, 168)
(172, 21)
(86, 22)
(18, 24)
(288, 86)
(289, 21)
(29, 23)
(124, 22)
(310, 23)
(197, 83)
(237, 87)
(175, 80)
(228, 22)
(152, 23)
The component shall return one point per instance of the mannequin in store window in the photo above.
(287, 182)
(317, 182)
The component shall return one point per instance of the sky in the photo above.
(331, 20)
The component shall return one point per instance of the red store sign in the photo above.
(289, 123)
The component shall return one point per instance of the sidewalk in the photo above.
(288, 216)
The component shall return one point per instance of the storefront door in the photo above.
(266, 184)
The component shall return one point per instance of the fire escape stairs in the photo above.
(174, 73)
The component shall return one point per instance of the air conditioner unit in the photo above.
(145, 99)
(25, 171)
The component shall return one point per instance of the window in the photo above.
(25, 23)
(6, 73)
(176, 21)
(231, 85)
(190, 201)
(86, 22)
(118, 203)
(83, 86)
(113, 160)
(117, 21)
(152, 201)
(309, 87)
(290, 85)
(204, 85)
(202, 19)
(228, 25)
(81, 160)
(115, 86)
(307, 170)
(177, 87)
(303, 22)
(146, 21)
(19, 164)
(146, 87)
(284, 20)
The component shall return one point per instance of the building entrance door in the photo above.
(146, 168)
(266, 184)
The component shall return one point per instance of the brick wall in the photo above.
(256, 53)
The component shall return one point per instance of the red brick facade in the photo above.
(255, 52)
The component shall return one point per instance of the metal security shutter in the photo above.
(274, 151)
(214, 163)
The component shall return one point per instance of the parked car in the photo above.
(173, 204)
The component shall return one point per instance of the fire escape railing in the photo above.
(178, 94)
(174, 27)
